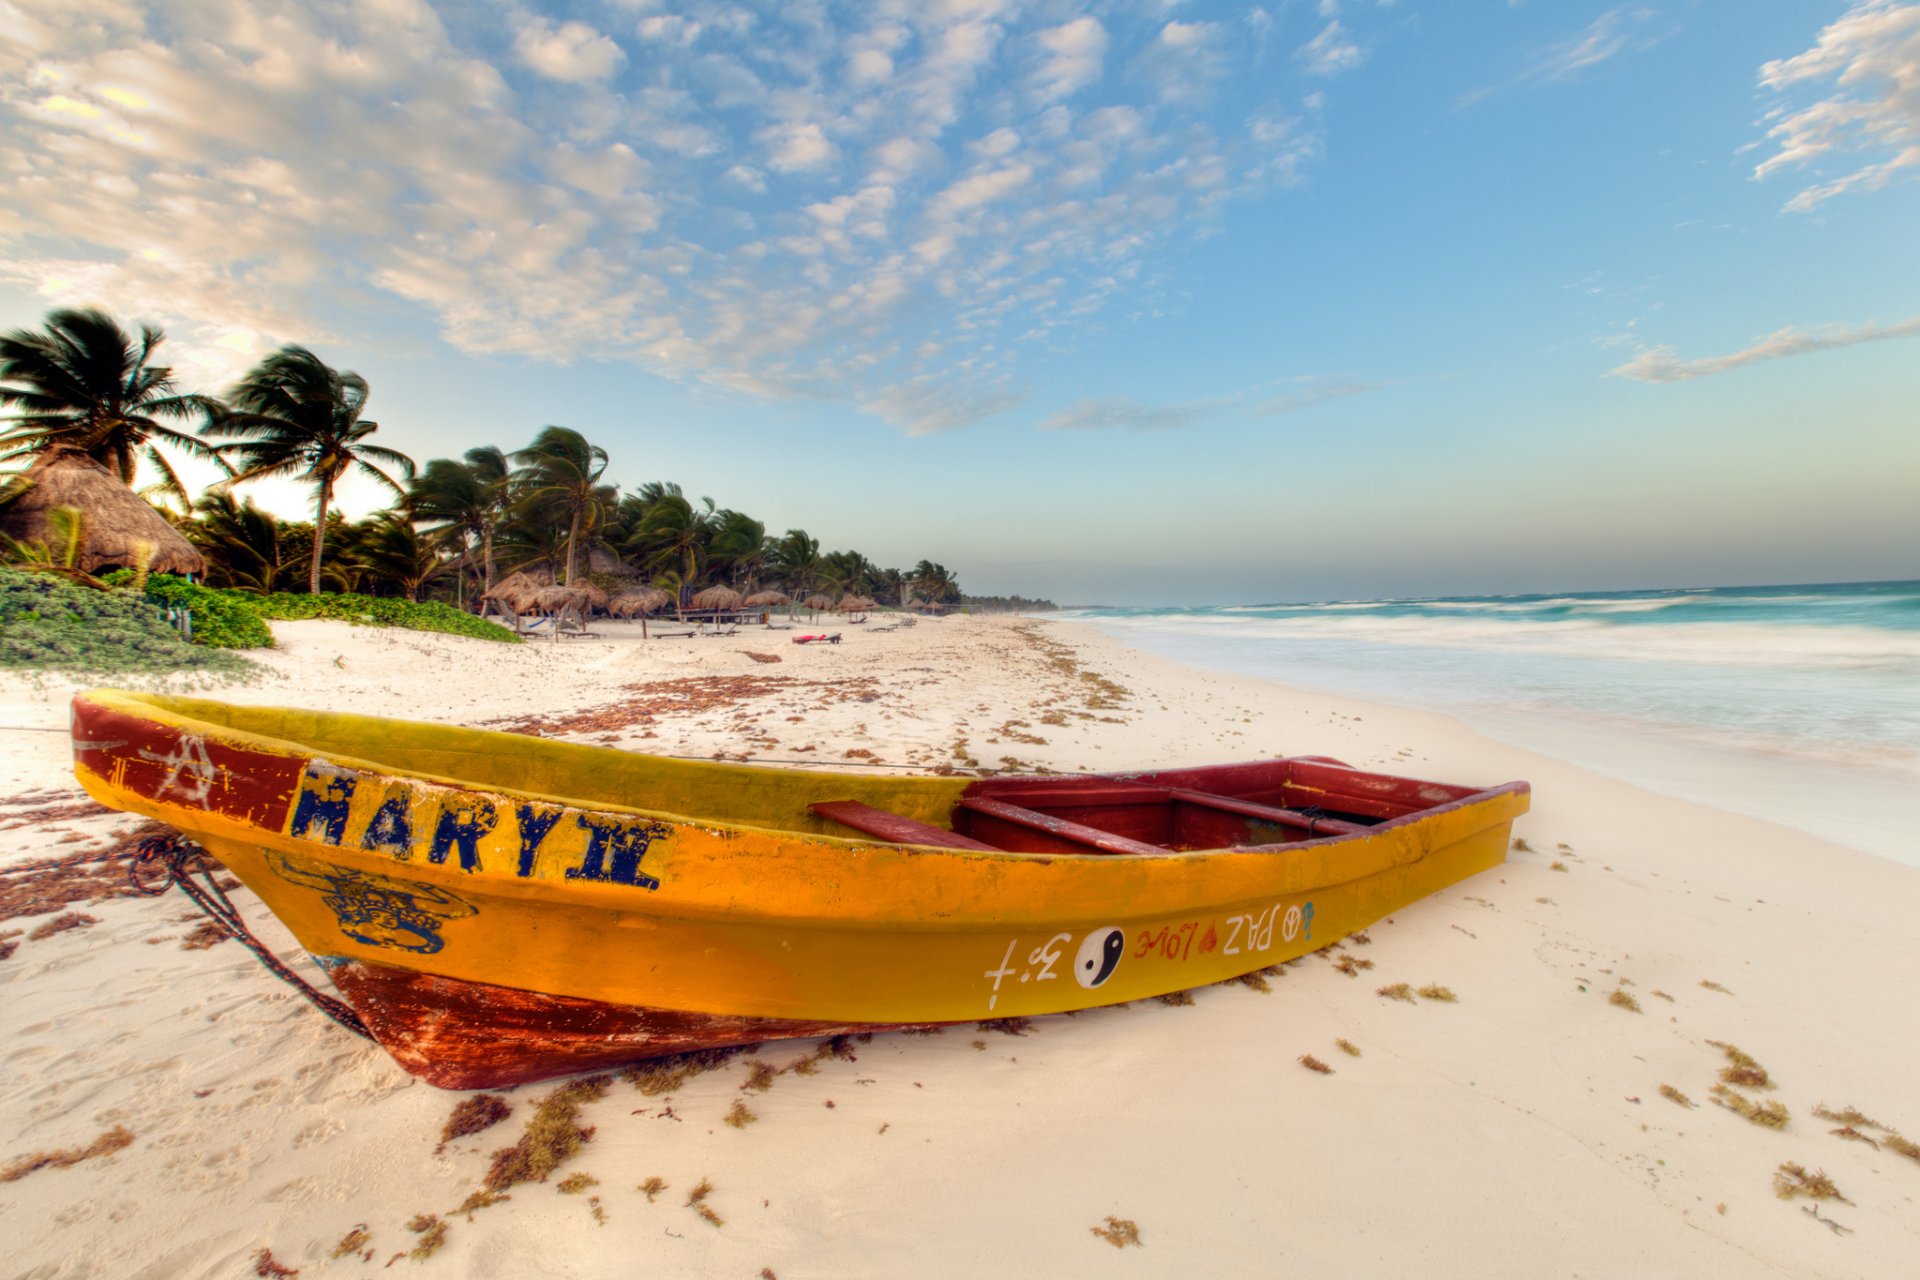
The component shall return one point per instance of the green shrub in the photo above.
(380, 611)
(229, 619)
(221, 619)
(51, 624)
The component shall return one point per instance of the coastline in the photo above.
(1520, 1131)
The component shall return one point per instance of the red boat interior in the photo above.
(1246, 806)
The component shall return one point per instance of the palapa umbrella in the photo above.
(766, 600)
(852, 604)
(817, 602)
(717, 598)
(118, 527)
(639, 602)
(513, 590)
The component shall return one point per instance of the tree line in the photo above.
(456, 526)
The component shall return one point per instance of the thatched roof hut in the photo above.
(560, 599)
(120, 528)
(513, 590)
(638, 602)
(716, 598)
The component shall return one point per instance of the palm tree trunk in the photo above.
(123, 456)
(319, 537)
(573, 536)
(486, 555)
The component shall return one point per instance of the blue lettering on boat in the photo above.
(391, 831)
(326, 791)
(535, 821)
(625, 840)
(464, 820)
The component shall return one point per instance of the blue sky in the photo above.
(1131, 302)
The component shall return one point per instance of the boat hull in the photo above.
(475, 1035)
(438, 868)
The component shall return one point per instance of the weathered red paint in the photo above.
(1016, 827)
(163, 764)
(473, 1035)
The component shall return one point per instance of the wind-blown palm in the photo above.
(796, 558)
(295, 416)
(675, 534)
(562, 465)
(933, 582)
(738, 546)
(393, 551)
(240, 541)
(462, 500)
(86, 384)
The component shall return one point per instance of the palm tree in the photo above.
(934, 583)
(675, 534)
(739, 546)
(392, 551)
(560, 464)
(85, 384)
(462, 500)
(294, 415)
(241, 542)
(796, 558)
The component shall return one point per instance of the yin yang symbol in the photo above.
(1099, 956)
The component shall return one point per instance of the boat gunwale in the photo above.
(178, 721)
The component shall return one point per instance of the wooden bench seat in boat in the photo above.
(892, 827)
(988, 817)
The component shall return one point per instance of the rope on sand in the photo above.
(178, 859)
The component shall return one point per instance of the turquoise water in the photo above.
(1751, 698)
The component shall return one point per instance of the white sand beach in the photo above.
(1518, 1131)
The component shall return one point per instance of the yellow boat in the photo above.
(499, 908)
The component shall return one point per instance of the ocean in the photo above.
(1800, 704)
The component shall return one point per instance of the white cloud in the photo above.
(1114, 414)
(573, 51)
(924, 405)
(1606, 36)
(756, 207)
(980, 189)
(798, 147)
(1626, 29)
(669, 28)
(1871, 56)
(1071, 56)
(1331, 52)
(1660, 364)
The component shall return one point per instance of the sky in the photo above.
(1153, 303)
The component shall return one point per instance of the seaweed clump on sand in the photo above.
(1768, 1115)
(471, 1115)
(1791, 1180)
(1119, 1232)
(697, 1201)
(1742, 1070)
(106, 1144)
(553, 1135)
(665, 1075)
